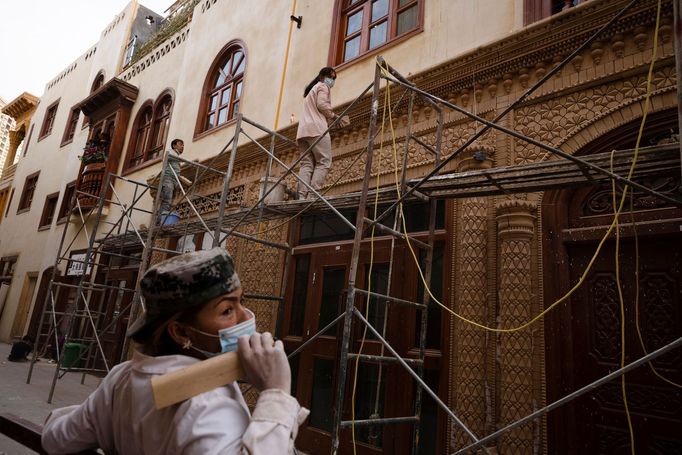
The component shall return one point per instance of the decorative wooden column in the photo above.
(517, 394)
(472, 362)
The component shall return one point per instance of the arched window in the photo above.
(97, 82)
(223, 88)
(141, 138)
(150, 130)
(162, 113)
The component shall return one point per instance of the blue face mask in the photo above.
(329, 81)
(228, 336)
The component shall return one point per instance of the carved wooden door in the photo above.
(320, 280)
(583, 337)
(655, 406)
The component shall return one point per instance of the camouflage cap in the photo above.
(184, 282)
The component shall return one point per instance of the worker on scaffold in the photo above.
(317, 110)
(171, 175)
(193, 310)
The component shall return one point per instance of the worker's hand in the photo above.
(185, 181)
(264, 362)
(345, 121)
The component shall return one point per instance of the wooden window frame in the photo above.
(4, 262)
(24, 205)
(209, 90)
(342, 10)
(97, 82)
(65, 207)
(9, 202)
(71, 126)
(28, 140)
(47, 217)
(48, 120)
(159, 119)
(150, 154)
(535, 10)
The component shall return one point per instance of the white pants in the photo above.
(315, 164)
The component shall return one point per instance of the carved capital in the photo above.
(515, 219)
(476, 157)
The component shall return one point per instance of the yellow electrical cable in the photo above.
(637, 277)
(589, 265)
(621, 303)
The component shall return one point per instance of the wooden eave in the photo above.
(655, 161)
(21, 105)
(114, 90)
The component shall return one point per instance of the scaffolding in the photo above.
(83, 325)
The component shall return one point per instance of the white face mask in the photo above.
(228, 336)
(329, 81)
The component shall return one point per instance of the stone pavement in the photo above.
(30, 400)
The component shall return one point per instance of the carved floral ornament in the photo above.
(515, 219)
(502, 66)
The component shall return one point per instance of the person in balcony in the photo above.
(193, 310)
(317, 111)
(171, 175)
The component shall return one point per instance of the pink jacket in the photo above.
(317, 109)
(120, 417)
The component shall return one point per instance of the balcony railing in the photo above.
(90, 183)
(8, 173)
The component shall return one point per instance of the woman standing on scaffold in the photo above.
(317, 110)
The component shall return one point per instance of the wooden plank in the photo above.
(27, 433)
(180, 385)
(652, 161)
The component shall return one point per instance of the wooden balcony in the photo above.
(8, 173)
(90, 184)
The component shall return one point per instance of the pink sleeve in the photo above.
(323, 102)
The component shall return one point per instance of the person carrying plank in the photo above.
(192, 310)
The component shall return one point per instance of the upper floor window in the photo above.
(223, 88)
(534, 10)
(49, 208)
(150, 131)
(67, 202)
(162, 113)
(71, 125)
(365, 25)
(7, 266)
(97, 82)
(48, 121)
(143, 127)
(27, 193)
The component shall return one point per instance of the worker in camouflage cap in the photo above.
(184, 282)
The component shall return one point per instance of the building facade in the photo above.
(499, 260)
(6, 124)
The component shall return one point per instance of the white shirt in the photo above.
(120, 417)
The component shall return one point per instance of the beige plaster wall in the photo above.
(451, 28)
(58, 165)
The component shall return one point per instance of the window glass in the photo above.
(223, 99)
(300, 295)
(352, 48)
(407, 20)
(377, 35)
(365, 25)
(354, 23)
(323, 394)
(333, 284)
(379, 9)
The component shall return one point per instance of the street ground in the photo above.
(30, 400)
